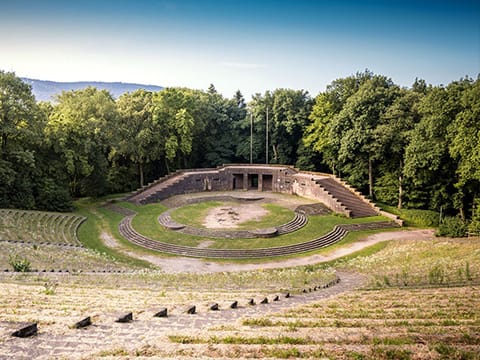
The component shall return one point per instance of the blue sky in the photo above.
(248, 45)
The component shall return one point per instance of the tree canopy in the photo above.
(416, 147)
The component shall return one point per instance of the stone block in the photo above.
(125, 318)
(26, 331)
(162, 313)
(83, 323)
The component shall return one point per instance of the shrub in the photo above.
(453, 227)
(414, 217)
(474, 227)
(19, 264)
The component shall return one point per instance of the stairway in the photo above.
(357, 206)
(157, 191)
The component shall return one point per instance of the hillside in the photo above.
(45, 90)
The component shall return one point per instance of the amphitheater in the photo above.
(250, 183)
(78, 303)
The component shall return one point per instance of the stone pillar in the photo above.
(245, 181)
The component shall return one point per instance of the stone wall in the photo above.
(276, 178)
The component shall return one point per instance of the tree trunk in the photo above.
(400, 187)
(370, 178)
(166, 165)
(275, 154)
(4, 144)
(140, 170)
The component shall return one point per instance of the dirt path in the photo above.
(182, 264)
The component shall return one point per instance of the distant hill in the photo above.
(45, 90)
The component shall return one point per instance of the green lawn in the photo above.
(146, 223)
(99, 219)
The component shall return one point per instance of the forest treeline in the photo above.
(416, 147)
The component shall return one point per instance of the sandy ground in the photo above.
(182, 264)
(229, 217)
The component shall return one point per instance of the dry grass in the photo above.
(441, 323)
(421, 262)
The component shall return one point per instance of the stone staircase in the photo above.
(299, 221)
(158, 190)
(359, 207)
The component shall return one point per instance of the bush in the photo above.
(474, 227)
(19, 264)
(414, 217)
(452, 227)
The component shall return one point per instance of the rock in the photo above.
(287, 295)
(234, 305)
(276, 298)
(214, 307)
(192, 310)
(162, 313)
(251, 302)
(125, 318)
(26, 331)
(83, 323)
(264, 301)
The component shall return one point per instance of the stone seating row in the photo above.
(337, 234)
(25, 330)
(299, 221)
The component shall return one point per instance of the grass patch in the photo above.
(194, 215)
(242, 340)
(435, 262)
(89, 232)
(414, 217)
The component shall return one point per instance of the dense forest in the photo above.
(416, 147)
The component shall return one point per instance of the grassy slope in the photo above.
(98, 220)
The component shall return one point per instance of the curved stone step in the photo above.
(337, 234)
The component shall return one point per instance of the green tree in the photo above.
(21, 126)
(81, 129)
(464, 143)
(317, 134)
(427, 162)
(135, 131)
(392, 135)
(288, 112)
(172, 118)
(354, 130)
